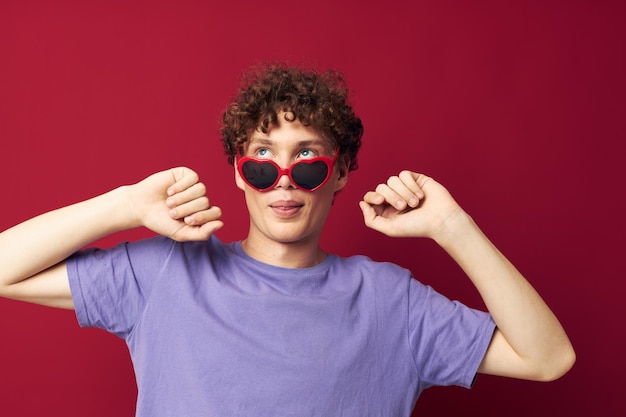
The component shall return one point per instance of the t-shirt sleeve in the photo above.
(110, 287)
(448, 339)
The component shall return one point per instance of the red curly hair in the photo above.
(316, 99)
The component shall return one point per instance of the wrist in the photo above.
(122, 214)
(130, 207)
(454, 229)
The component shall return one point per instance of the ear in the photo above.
(342, 172)
(238, 179)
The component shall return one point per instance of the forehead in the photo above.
(289, 133)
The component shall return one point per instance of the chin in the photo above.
(288, 238)
(288, 235)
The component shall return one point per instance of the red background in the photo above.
(517, 107)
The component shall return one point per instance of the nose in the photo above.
(284, 181)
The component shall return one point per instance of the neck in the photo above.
(287, 255)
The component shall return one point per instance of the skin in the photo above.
(529, 341)
(285, 227)
(172, 203)
(286, 222)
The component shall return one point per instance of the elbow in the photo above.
(558, 365)
(4, 291)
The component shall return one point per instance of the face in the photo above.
(286, 213)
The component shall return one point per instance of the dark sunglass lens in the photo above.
(309, 175)
(259, 174)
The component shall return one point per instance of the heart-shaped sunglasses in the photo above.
(306, 174)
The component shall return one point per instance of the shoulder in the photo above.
(152, 251)
(162, 246)
(380, 275)
(371, 267)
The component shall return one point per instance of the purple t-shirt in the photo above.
(213, 332)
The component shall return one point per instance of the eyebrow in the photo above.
(305, 142)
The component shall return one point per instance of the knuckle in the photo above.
(395, 181)
(213, 213)
(193, 174)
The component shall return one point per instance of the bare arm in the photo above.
(529, 343)
(33, 253)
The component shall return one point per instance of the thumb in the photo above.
(197, 233)
(370, 217)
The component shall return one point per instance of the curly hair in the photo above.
(316, 99)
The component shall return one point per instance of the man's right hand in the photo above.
(174, 204)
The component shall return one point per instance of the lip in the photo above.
(286, 208)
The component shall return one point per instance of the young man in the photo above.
(273, 325)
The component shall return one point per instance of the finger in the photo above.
(202, 232)
(371, 217)
(195, 191)
(372, 197)
(421, 179)
(183, 179)
(187, 209)
(410, 189)
(412, 181)
(390, 195)
(203, 217)
(401, 188)
(207, 229)
(369, 214)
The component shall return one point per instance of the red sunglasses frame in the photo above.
(330, 164)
